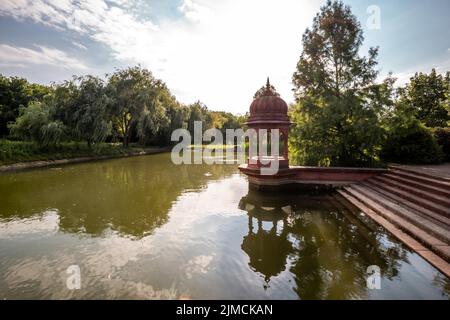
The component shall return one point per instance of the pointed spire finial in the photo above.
(269, 90)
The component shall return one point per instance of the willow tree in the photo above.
(337, 100)
(36, 123)
(16, 93)
(133, 94)
(90, 118)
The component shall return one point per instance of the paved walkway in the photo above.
(436, 170)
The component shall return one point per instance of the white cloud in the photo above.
(220, 51)
(20, 57)
(198, 265)
(195, 12)
(79, 45)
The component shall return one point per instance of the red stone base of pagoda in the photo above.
(328, 177)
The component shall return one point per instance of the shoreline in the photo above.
(19, 166)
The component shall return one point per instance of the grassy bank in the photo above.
(20, 151)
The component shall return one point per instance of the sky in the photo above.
(216, 51)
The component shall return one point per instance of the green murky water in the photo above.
(145, 228)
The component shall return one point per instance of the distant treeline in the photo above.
(130, 105)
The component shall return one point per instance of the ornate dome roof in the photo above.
(268, 107)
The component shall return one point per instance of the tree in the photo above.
(134, 93)
(338, 102)
(16, 93)
(154, 118)
(411, 143)
(429, 97)
(199, 112)
(35, 123)
(407, 138)
(90, 117)
(177, 115)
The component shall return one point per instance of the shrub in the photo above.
(442, 136)
(412, 144)
(35, 124)
(23, 151)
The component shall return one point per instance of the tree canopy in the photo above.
(128, 105)
(338, 102)
(429, 98)
(15, 93)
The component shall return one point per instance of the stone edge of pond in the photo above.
(47, 163)
(431, 257)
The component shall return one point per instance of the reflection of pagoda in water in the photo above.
(267, 249)
(328, 256)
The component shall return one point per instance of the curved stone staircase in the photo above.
(413, 206)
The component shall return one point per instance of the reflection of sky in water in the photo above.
(192, 238)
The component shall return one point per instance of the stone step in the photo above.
(355, 201)
(433, 206)
(428, 240)
(431, 227)
(419, 185)
(409, 241)
(418, 191)
(428, 181)
(419, 173)
(428, 214)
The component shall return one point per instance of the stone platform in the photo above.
(327, 177)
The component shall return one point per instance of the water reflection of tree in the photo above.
(132, 196)
(328, 247)
(443, 282)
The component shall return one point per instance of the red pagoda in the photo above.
(269, 112)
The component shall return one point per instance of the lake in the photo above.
(144, 228)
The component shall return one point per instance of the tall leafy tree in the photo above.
(91, 117)
(134, 94)
(428, 95)
(16, 93)
(338, 101)
(177, 115)
(199, 112)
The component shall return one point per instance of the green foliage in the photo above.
(130, 105)
(22, 151)
(154, 119)
(91, 118)
(408, 140)
(35, 124)
(429, 98)
(177, 115)
(337, 116)
(226, 120)
(442, 136)
(412, 143)
(17, 151)
(199, 112)
(16, 93)
(261, 91)
(135, 99)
